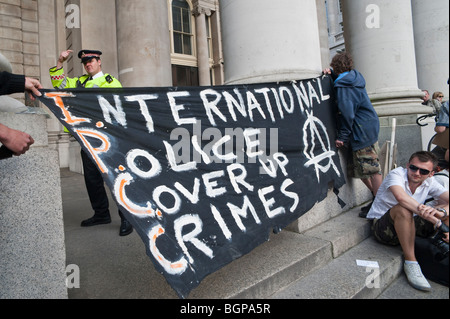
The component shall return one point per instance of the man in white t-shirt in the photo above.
(398, 210)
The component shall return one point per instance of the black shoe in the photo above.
(365, 210)
(95, 220)
(363, 213)
(125, 227)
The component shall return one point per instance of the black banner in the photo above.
(205, 173)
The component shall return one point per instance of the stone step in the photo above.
(285, 258)
(342, 278)
(268, 268)
(343, 232)
(401, 289)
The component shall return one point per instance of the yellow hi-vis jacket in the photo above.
(60, 81)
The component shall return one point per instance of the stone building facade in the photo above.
(401, 47)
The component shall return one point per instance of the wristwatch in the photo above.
(442, 210)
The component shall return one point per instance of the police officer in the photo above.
(94, 78)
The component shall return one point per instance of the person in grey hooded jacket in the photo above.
(358, 122)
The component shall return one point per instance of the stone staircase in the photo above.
(318, 263)
(342, 278)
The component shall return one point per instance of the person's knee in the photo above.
(399, 212)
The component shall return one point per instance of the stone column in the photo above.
(202, 46)
(336, 34)
(267, 40)
(143, 43)
(271, 41)
(216, 32)
(333, 17)
(99, 15)
(432, 46)
(32, 248)
(381, 40)
(323, 33)
(51, 21)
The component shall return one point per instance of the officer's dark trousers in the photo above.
(95, 187)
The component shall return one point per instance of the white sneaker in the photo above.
(415, 277)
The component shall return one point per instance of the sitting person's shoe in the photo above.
(415, 277)
(95, 220)
(125, 227)
(365, 210)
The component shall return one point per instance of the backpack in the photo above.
(430, 253)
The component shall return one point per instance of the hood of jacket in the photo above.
(352, 79)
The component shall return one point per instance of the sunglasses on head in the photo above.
(421, 170)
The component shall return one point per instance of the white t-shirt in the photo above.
(385, 200)
(441, 178)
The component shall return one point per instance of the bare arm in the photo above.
(404, 199)
(426, 212)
